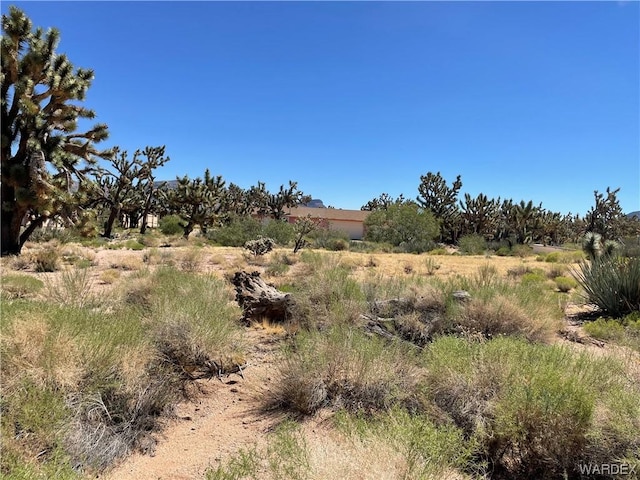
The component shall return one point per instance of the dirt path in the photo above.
(224, 419)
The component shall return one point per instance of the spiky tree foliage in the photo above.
(303, 227)
(198, 201)
(42, 149)
(383, 202)
(442, 200)
(606, 217)
(237, 202)
(116, 183)
(146, 194)
(479, 215)
(286, 197)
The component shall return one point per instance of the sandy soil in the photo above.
(223, 420)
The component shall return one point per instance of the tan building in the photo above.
(349, 221)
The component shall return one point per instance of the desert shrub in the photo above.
(170, 225)
(552, 257)
(536, 411)
(59, 234)
(485, 276)
(109, 276)
(497, 308)
(281, 231)
(415, 246)
(73, 288)
(132, 244)
(368, 247)
(191, 259)
(327, 293)
(329, 239)
(405, 226)
(611, 283)
(519, 271)
(46, 260)
(565, 284)
(503, 314)
(208, 316)
(431, 265)
(243, 464)
(520, 250)
(343, 367)
(533, 277)
(260, 246)
(236, 232)
(472, 244)
(19, 286)
(287, 453)
(280, 263)
(604, 329)
(625, 332)
(438, 251)
(426, 448)
(630, 247)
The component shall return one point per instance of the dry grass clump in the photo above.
(502, 314)
(74, 287)
(191, 260)
(83, 387)
(15, 286)
(109, 276)
(129, 263)
(535, 410)
(343, 367)
(46, 259)
(20, 262)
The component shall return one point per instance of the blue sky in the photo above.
(525, 100)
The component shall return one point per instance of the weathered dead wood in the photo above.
(260, 300)
(574, 336)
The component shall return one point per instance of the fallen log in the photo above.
(260, 300)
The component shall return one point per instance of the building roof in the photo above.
(328, 213)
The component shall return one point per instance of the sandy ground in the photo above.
(223, 420)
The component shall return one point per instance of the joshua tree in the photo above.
(198, 201)
(42, 150)
(442, 200)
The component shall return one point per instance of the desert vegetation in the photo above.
(444, 345)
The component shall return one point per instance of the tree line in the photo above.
(52, 171)
(439, 213)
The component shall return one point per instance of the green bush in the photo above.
(612, 284)
(329, 239)
(565, 284)
(533, 277)
(170, 225)
(281, 231)
(536, 411)
(406, 226)
(472, 244)
(605, 329)
(235, 233)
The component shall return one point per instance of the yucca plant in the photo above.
(611, 283)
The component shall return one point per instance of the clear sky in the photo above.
(525, 100)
